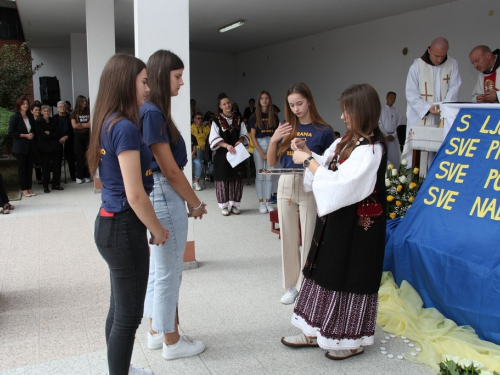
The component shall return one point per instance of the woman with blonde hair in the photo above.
(304, 122)
(117, 149)
(262, 125)
(337, 305)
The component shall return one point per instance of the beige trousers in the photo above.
(293, 203)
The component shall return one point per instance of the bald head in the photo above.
(438, 50)
(482, 58)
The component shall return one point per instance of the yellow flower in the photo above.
(398, 203)
(411, 199)
(390, 166)
(399, 188)
(390, 198)
(392, 215)
(415, 170)
(412, 185)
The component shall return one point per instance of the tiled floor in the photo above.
(54, 292)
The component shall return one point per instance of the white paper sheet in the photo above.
(241, 154)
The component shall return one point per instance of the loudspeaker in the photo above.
(49, 91)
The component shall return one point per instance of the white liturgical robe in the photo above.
(390, 118)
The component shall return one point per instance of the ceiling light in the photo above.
(234, 25)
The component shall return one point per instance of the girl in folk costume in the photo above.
(227, 132)
(337, 305)
(262, 125)
(171, 192)
(304, 122)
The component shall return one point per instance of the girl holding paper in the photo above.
(227, 132)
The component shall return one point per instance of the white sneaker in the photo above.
(139, 371)
(155, 341)
(185, 347)
(78, 181)
(262, 208)
(225, 212)
(234, 210)
(289, 297)
(87, 180)
(269, 207)
(197, 186)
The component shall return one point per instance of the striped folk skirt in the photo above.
(339, 320)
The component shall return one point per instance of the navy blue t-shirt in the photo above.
(153, 123)
(263, 131)
(123, 136)
(318, 139)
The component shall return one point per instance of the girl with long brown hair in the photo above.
(262, 125)
(117, 149)
(80, 121)
(337, 305)
(303, 122)
(171, 192)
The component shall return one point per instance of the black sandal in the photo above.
(8, 206)
(3, 211)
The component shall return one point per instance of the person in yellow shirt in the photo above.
(201, 132)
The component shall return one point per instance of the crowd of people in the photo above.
(43, 142)
(331, 199)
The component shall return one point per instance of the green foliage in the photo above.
(4, 124)
(16, 73)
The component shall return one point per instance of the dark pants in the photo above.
(81, 146)
(68, 152)
(123, 243)
(51, 162)
(25, 170)
(4, 199)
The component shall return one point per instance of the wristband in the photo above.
(199, 207)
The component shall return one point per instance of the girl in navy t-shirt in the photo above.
(171, 192)
(123, 159)
(303, 121)
(262, 125)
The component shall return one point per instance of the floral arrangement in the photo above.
(402, 186)
(454, 365)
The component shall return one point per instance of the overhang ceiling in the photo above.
(49, 23)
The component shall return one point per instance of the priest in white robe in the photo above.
(488, 81)
(433, 78)
(390, 118)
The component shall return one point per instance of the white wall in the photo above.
(371, 52)
(56, 62)
(211, 74)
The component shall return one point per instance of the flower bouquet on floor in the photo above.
(454, 365)
(402, 187)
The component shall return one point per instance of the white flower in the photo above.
(447, 358)
(478, 365)
(394, 172)
(387, 182)
(403, 179)
(455, 359)
(484, 372)
(464, 363)
(404, 162)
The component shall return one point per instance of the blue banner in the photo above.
(448, 244)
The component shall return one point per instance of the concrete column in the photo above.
(100, 22)
(79, 66)
(164, 24)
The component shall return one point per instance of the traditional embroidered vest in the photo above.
(426, 82)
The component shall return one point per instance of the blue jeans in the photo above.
(263, 182)
(198, 163)
(123, 243)
(166, 263)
